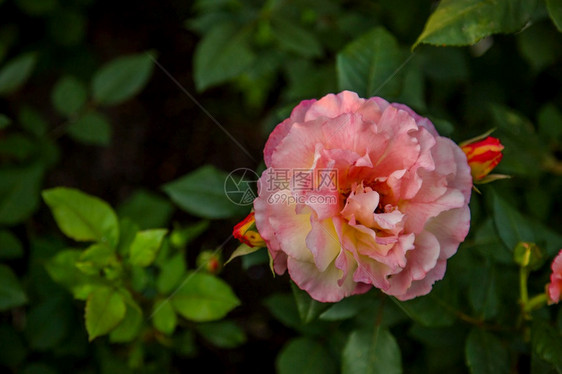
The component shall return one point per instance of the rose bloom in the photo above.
(399, 197)
(554, 288)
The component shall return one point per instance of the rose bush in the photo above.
(554, 288)
(390, 199)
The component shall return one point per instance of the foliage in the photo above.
(114, 288)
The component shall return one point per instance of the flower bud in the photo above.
(483, 156)
(247, 233)
(210, 261)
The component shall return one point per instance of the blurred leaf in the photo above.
(344, 309)
(171, 273)
(181, 236)
(539, 55)
(202, 193)
(413, 92)
(555, 12)
(83, 217)
(283, 307)
(121, 79)
(550, 123)
(486, 354)
(69, 95)
(32, 121)
(12, 348)
(368, 63)
(5, 121)
(16, 72)
(147, 209)
(371, 352)
(203, 297)
(62, 269)
(294, 38)
(105, 309)
(11, 246)
(37, 7)
(145, 246)
(304, 355)
(19, 192)
(91, 128)
(309, 309)
(223, 334)
(464, 22)
(223, 54)
(48, 323)
(130, 327)
(547, 343)
(17, 147)
(444, 65)
(511, 225)
(67, 27)
(11, 292)
(164, 317)
(127, 232)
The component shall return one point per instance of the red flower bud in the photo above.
(247, 233)
(483, 156)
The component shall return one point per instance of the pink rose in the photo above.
(361, 193)
(555, 285)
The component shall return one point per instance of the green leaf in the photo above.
(304, 355)
(129, 328)
(16, 72)
(367, 64)
(550, 123)
(464, 22)
(11, 292)
(242, 250)
(171, 273)
(95, 258)
(223, 54)
(294, 38)
(32, 121)
(483, 291)
(127, 232)
(284, 309)
(83, 217)
(19, 192)
(371, 352)
(69, 95)
(11, 246)
(547, 343)
(105, 309)
(485, 353)
(145, 246)
(427, 311)
(203, 297)
(122, 78)
(164, 317)
(555, 12)
(344, 309)
(62, 269)
(91, 128)
(223, 334)
(181, 236)
(202, 193)
(17, 147)
(511, 225)
(5, 121)
(309, 309)
(147, 209)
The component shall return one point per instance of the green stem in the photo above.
(536, 302)
(523, 274)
